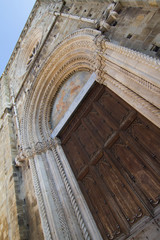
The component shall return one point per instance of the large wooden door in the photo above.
(114, 153)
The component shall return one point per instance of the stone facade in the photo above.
(117, 40)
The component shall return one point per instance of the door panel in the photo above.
(114, 153)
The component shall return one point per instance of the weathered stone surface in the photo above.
(60, 39)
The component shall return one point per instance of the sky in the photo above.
(13, 16)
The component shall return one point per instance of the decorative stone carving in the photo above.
(70, 193)
(100, 43)
(28, 152)
(85, 49)
(104, 26)
(29, 49)
(56, 141)
(61, 219)
(43, 215)
(31, 57)
(20, 159)
(109, 17)
(39, 147)
(144, 59)
(59, 74)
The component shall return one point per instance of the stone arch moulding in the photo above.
(131, 75)
(77, 52)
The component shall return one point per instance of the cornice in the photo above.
(143, 58)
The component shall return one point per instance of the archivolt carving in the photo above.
(77, 52)
(71, 195)
(82, 50)
(59, 208)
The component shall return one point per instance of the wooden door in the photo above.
(115, 155)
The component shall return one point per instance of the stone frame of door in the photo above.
(83, 207)
(131, 75)
(81, 203)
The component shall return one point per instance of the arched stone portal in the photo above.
(63, 210)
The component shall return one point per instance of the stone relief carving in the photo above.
(33, 146)
(20, 159)
(28, 51)
(144, 59)
(59, 213)
(44, 219)
(100, 43)
(44, 88)
(70, 193)
(31, 57)
(152, 112)
(109, 17)
(133, 77)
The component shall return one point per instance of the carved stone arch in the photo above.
(77, 52)
(121, 70)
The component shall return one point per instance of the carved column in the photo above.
(51, 210)
(60, 216)
(82, 212)
(68, 220)
(40, 200)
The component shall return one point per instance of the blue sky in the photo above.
(13, 16)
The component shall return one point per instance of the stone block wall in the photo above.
(10, 220)
(33, 217)
(16, 220)
(137, 29)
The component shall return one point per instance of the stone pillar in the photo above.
(82, 212)
(57, 215)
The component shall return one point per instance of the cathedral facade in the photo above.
(80, 123)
